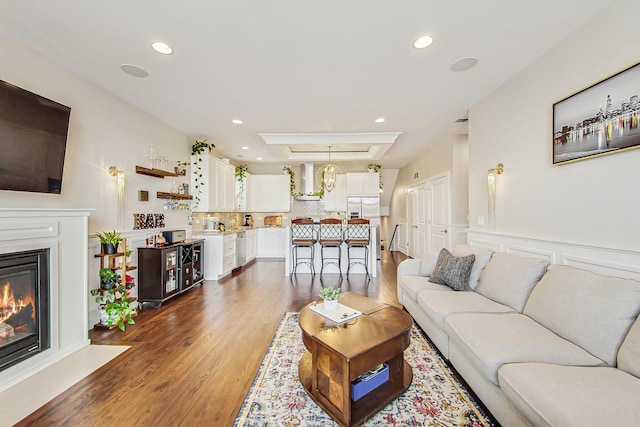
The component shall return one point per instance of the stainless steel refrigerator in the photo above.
(367, 208)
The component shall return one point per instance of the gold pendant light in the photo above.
(328, 174)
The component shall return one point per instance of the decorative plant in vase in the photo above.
(108, 278)
(197, 149)
(373, 167)
(109, 241)
(330, 296)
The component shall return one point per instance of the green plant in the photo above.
(115, 302)
(292, 184)
(241, 172)
(329, 293)
(376, 167)
(198, 147)
(108, 278)
(109, 237)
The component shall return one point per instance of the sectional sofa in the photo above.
(539, 344)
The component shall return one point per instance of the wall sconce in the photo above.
(114, 171)
(491, 188)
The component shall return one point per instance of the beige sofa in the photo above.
(543, 345)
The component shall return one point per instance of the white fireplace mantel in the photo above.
(65, 233)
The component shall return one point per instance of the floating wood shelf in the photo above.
(158, 173)
(163, 195)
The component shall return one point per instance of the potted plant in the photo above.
(373, 167)
(181, 168)
(109, 241)
(114, 304)
(103, 299)
(330, 296)
(108, 278)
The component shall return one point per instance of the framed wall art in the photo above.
(601, 119)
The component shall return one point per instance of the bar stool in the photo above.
(357, 236)
(330, 236)
(303, 235)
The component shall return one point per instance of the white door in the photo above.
(439, 218)
(417, 220)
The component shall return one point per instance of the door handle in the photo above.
(444, 231)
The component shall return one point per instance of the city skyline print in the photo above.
(601, 119)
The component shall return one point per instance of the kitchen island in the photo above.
(357, 269)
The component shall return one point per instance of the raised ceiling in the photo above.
(297, 66)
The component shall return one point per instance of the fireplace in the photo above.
(24, 305)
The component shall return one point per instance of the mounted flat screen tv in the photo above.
(33, 139)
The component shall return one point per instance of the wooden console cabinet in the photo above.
(164, 272)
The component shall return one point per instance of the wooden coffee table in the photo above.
(339, 353)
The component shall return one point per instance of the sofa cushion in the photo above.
(452, 271)
(428, 263)
(588, 309)
(439, 305)
(629, 354)
(411, 285)
(509, 279)
(483, 255)
(555, 395)
(490, 340)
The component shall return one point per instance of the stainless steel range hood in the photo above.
(307, 183)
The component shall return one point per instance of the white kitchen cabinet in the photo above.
(268, 193)
(363, 184)
(218, 177)
(336, 200)
(220, 254)
(251, 243)
(271, 242)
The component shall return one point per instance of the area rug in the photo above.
(435, 397)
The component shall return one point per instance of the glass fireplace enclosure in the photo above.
(24, 305)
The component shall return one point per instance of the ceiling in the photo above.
(298, 66)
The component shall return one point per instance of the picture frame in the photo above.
(601, 119)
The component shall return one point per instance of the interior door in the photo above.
(417, 220)
(439, 218)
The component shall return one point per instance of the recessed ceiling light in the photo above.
(422, 42)
(134, 70)
(162, 48)
(244, 147)
(380, 120)
(258, 158)
(236, 122)
(464, 64)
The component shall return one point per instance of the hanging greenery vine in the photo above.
(292, 183)
(197, 149)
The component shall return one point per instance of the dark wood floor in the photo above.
(191, 362)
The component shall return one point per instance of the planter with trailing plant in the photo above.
(108, 278)
(197, 149)
(109, 241)
(114, 303)
(373, 167)
(330, 296)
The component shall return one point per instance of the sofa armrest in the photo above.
(408, 267)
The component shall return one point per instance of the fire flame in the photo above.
(8, 303)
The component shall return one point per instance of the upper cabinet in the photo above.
(363, 184)
(217, 182)
(336, 199)
(268, 193)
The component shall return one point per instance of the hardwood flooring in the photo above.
(192, 361)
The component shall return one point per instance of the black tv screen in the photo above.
(33, 139)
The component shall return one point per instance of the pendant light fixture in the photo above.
(328, 175)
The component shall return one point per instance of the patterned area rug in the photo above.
(435, 397)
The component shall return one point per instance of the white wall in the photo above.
(590, 202)
(104, 131)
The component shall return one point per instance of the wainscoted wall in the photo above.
(600, 260)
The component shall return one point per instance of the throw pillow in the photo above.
(428, 264)
(452, 271)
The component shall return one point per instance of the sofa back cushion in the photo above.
(482, 257)
(590, 310)
(509, 279)
(428, 263)
(629, 354)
